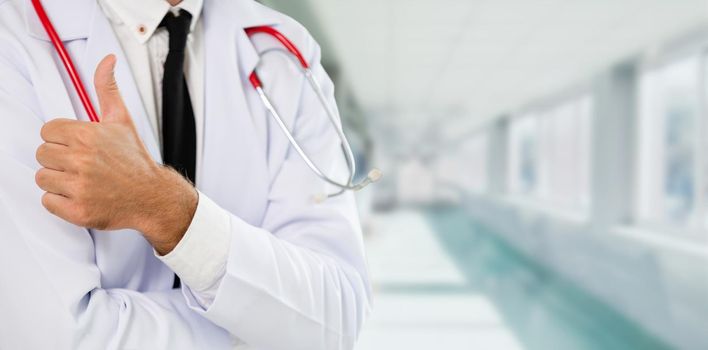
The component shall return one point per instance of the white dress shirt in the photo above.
(200, 257)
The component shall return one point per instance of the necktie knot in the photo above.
(178, 28)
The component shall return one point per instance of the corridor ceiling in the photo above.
(420, 61)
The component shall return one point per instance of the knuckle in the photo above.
(44, 131)
(41, 153)
(45, 200)
(52, 127)
(78, 189)
(83, 216)
(47, 203)
(86, 136)
(83, 161)
(112, 86)
(47, 129)
(40, 177)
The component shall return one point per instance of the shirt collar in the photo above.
(144, 16)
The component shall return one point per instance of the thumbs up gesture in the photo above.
(100, 175)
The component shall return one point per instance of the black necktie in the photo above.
(179, 135)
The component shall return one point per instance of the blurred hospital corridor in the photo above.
(545, 168)
(453, 285)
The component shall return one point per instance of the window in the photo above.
(523, 156)
(671, 129)
(466, 166)
(550, 154)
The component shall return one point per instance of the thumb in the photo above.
(111, 103)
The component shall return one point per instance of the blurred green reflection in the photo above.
(543, 310)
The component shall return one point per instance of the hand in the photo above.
(100, 175)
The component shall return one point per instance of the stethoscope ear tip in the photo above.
(319, 198)
(375, 175)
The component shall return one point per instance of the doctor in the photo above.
(186, 174)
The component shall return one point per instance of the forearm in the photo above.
(309, 295)
(293, 285)
(124, 319)
(52, 294)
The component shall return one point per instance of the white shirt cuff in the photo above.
(199, 259)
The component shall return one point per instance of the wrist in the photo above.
(173, 202)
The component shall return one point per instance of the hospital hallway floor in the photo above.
(442, 281)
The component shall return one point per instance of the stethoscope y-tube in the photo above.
(291, 51)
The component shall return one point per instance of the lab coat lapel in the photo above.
(83, 20)
(71, 18)
(54, 78)
(234, 166)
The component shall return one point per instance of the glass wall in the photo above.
(524, 155)
(671, 123)
(549, 154)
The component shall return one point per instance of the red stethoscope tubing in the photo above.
(79, 86)
(255, 81)
(66, 60)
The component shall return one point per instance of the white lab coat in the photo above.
(296, 276)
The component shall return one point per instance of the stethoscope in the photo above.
(291, 51)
